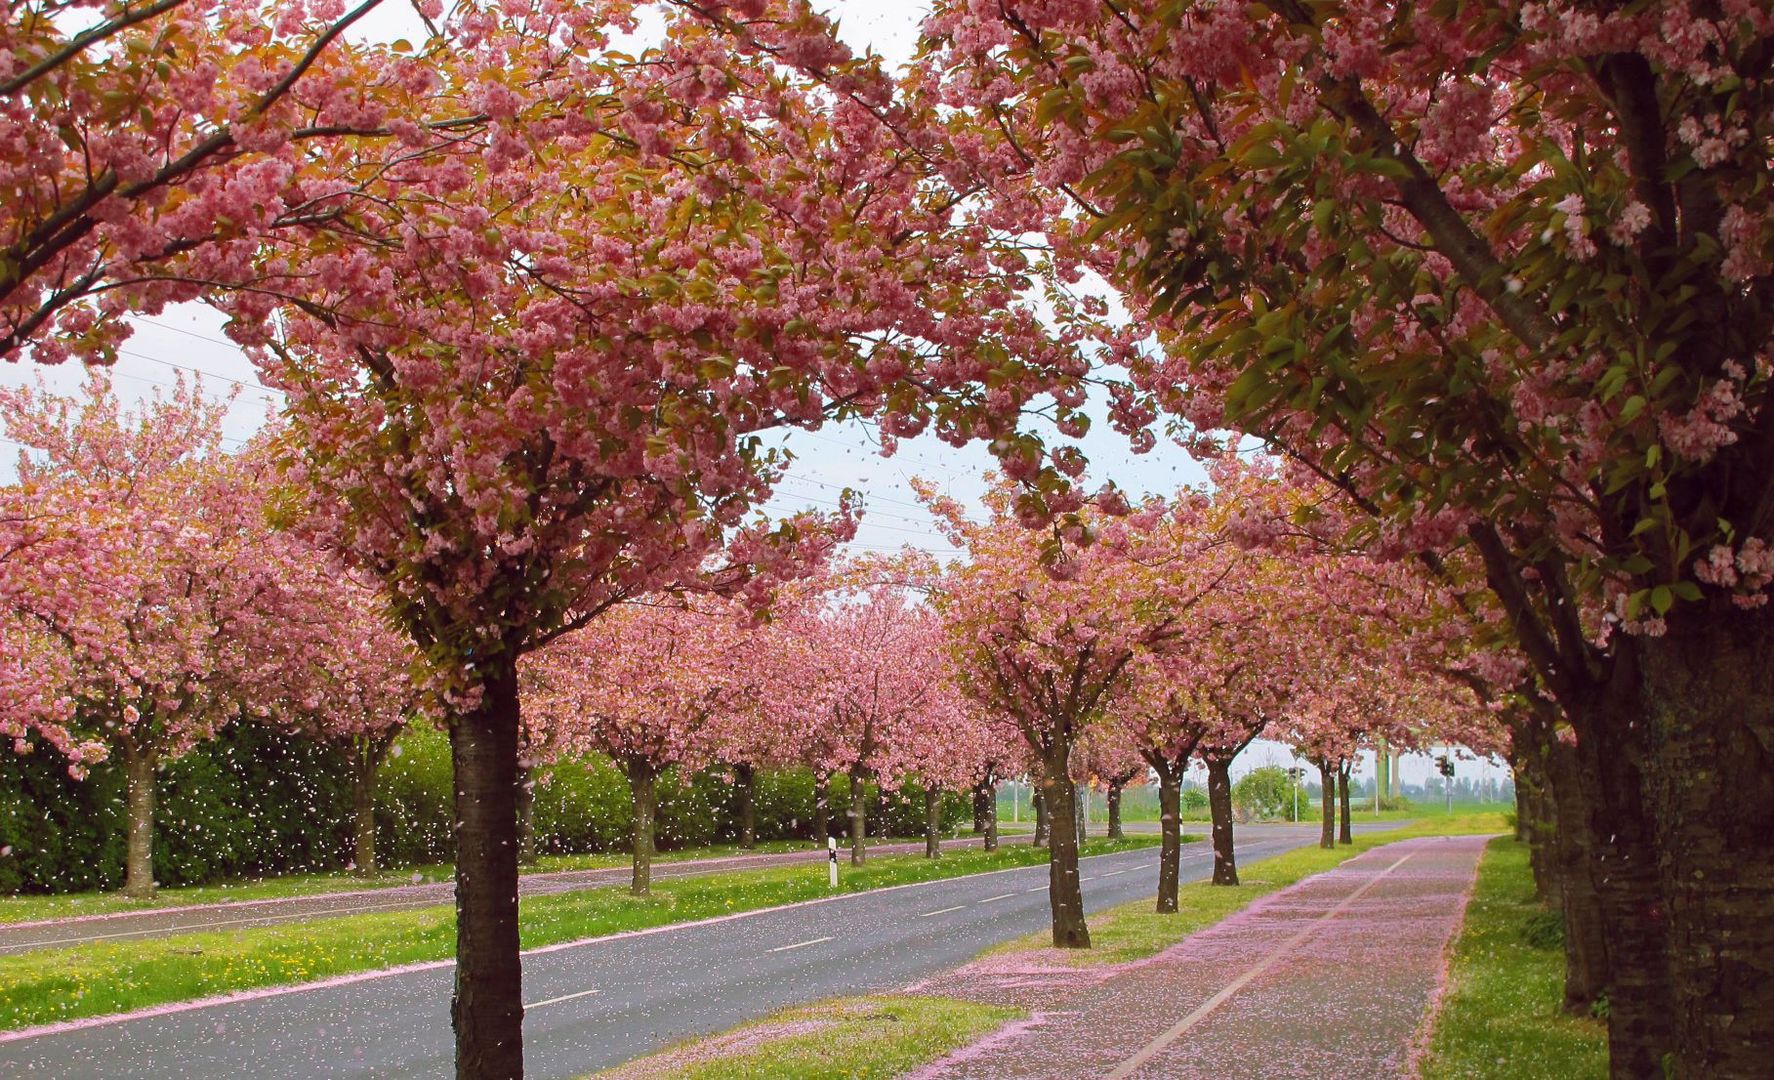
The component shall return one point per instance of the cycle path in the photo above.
(1334, 976)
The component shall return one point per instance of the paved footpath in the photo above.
(1334, 976)
(246, 914)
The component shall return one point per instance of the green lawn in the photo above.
(65, 905)
(874, 1036)
(89, 980)
(1502, 1015)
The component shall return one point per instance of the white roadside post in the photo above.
(831, 850)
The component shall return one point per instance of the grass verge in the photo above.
(287, 886)
(879, 1036)
(1502, 1015)
(1133, 931)
(48, 985)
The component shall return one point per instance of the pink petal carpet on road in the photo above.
(1334, 976)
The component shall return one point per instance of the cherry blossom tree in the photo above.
(879, 696)
(639, 685)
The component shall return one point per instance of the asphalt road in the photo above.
(246, 914)
(602, 1002)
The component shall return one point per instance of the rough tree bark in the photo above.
(1064, 891)
(932, 823)
(1345, 829)
(1219, 806)
(1623, 865)
(745, 781)
(1327, 801)
(1586, 947)
(858, 818)
(643, 789)
(1708, 689)
(487, 1009)
(140, 763)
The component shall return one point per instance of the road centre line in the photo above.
(800, 944)
(942, 911)
(558, 1000)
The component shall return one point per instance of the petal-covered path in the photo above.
(1334, 976)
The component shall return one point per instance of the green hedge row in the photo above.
(255, 802)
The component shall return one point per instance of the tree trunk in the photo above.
(1586, 946)
(526, 815)
(1170, 852)
(745, 779)
(932, 823)
(1523, 812)
(1219, 806)
(1113, 798)
(858, 819)
(1327, 801)
(487, 1010)
(1065, 895)
(1623, 866)
(1345, 830)
(643, 788)
(1708, 688)
(1041, 822)
(140, 765)
(991, 817)
(822, 808)
(1080, 803)
(981, 792)
(366, 761)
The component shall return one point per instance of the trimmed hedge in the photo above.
(255, 802)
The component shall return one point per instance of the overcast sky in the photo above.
(188, 340)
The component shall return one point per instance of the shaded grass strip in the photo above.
(1502, 1015)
